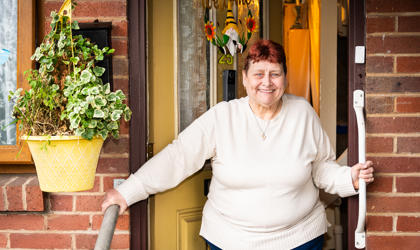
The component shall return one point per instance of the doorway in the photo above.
(163, 123)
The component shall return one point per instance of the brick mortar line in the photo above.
(395, 108)
(413, 134)
(118, 76)
(24, 203)
(380, 14)
(73, 207)
(393, 194)
(392, 34)
(392, 214)
(80, 213)
(8, 240)
(81, 193)
(6, 200)
(73, 241)
(394, 66)
(384, 194)
(19, 231)
(376, 233)
(113, 175)
(101, 183)
(395, 145)
(120, 57)
(125, 77)
(91, 222)
(394, 223)
(113, 155)
(392, 54)
(392, 74)
(125, 38)
(415, 155)
(412, 94)
(4, 194)
(394, 184)
(414, 174)
(390, 136)
(45, 222)
(394, 115)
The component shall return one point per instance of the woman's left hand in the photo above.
(363, 171)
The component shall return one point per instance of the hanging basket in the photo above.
(65, 163)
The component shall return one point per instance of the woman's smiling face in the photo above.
(265, 83)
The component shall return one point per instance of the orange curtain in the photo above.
(298, 69)
(302, 51)
(314, 20)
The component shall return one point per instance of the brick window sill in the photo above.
(20, 192)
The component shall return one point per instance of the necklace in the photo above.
(263, 135)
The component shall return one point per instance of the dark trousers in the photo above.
(315, 244)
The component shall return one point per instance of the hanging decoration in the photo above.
(222, 4)
(232, 39)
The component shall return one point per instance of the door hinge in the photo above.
(149, 150)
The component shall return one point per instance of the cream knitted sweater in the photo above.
(263, 193)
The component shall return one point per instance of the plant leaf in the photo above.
(98, 114)
(98, 71)
(85, 76)
(92, 124)
(112, 97)
(100, 101)
(74, 60)
(116, 115)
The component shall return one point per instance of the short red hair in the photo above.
(266, 50)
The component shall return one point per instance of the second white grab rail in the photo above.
(358, 105)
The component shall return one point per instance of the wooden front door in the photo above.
(356, 81)
(176, 215)
(136, 12)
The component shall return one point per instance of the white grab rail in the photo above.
(358, 105)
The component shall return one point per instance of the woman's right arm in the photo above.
(177, 161)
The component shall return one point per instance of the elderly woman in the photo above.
(270, 156)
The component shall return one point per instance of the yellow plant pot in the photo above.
(65, 163)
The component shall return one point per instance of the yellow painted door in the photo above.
(175, 215)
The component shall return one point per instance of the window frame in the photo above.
(19, 153)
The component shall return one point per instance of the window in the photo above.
(18, 38)
(201, 65)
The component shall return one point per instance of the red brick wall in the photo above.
(72, 220)
(393, 123)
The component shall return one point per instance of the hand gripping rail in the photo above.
(358, 105)
(103, 242)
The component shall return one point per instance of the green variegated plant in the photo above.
(67, 95)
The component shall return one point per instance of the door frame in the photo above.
(356, 80)
(137, 41)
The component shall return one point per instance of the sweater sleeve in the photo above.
(177, 161)
(326, 173)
